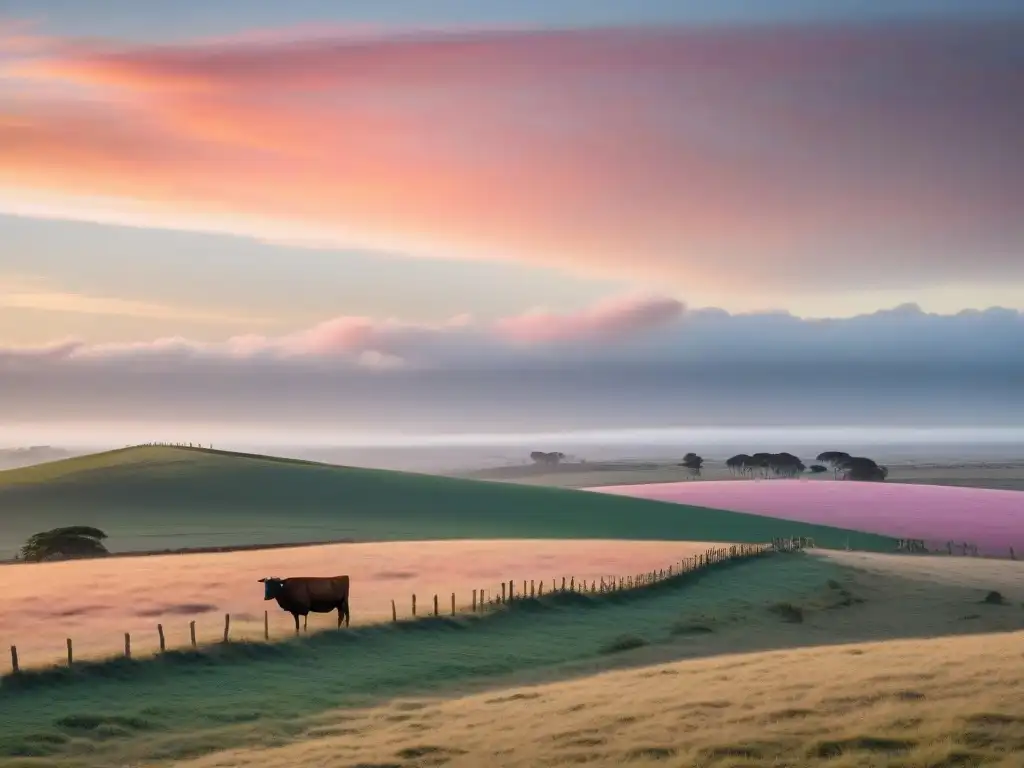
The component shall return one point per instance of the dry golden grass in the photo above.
(945, 702)
(1007, 575)
(96, 601)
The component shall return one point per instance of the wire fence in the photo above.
(478, 602)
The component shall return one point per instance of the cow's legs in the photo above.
(305, 623)
(296, 617)
(343, 612)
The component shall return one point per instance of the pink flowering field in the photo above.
(991, 519)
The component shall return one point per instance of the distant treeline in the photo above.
(782, 464)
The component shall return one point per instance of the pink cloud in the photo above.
(370, 342)
(549, 370)
(609, 320)
(733, 159)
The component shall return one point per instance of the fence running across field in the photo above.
(509, 592)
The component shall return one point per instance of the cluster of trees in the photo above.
(61, 543)
(787, 465)
(766, 464)
(769, 464)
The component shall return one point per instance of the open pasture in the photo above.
(159, 498)
(294, 693)
(938, 702)
(991, 519)
(95, 602)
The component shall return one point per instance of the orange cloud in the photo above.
(734, 160)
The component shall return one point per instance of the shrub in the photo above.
(788, 612)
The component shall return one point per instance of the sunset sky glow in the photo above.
(399, 183)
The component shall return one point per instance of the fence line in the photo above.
(490, 600)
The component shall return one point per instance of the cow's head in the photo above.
(272, 587)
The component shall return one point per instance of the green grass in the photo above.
(188, 703)
(155, 498)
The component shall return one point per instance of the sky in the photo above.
(484, 215)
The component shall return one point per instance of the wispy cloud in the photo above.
(37, 294)
(722, 159)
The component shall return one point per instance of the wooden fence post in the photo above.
(524, 588)
(503, 592)
(474, 601)
(160, 633)
(453, 603)
(572, 584)
(563, 583)
(533, 592)
(394, 611)
(435, 605)
(511, 589)
(14, 659)
(227, 626)
(540, 589)
(71, 655)
(266, 625)
(127, 645)
(192, 632)
(414, 606)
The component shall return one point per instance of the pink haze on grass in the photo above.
(95, 602)
(991, 519)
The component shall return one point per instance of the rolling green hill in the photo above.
(153, 498)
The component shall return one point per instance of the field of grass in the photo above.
(993, 520)
(316, 696)
(154, 498)
(95, 602)
(910, 704)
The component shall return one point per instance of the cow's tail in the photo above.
(344, 610)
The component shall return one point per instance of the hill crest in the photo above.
(164, 497)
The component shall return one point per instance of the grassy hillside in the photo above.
(156, 498)
(290, 694)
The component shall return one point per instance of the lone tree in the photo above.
(69, 542)
(693, 462)
(863, 469)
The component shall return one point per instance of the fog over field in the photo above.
(455, 452)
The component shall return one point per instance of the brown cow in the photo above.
(299, 595)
